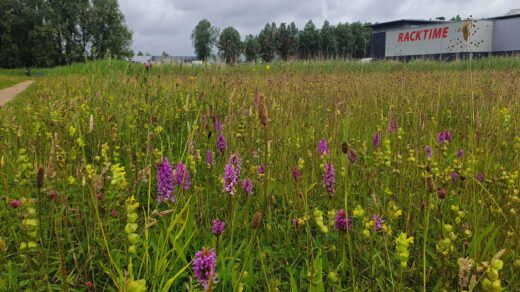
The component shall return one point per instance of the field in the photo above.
(325, 176)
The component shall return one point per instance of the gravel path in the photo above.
(9, 93)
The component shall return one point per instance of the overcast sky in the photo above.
(166, 25)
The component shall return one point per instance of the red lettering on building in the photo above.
(427, 34)
(437, 33)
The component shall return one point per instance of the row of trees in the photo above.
(285, 41)
(53, 32)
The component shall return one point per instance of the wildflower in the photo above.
(329, 178)
(204, 267)
(392, 127)
(376, 140)
(352, 157)
(218, 227)
(492, 280)
(323, 148)
(342, 222)
(136, 285)
(480, 177)
(247, 186)
(235, 160)
(261, 170)
(53, 194)
(318, 216)
(454, 176)
(358, 211)
(428, 150)
(460, 153)
(221, 143)
(294, 222)
(182, 176)
(296, 173)
(441, 193)
(114, 213)
(378, 222)
(14, 204)
(218, 125)
(165, 181)
(444, 136)
(230, 179)
(402, 244)
(209, 157)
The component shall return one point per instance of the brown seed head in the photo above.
(344, 147)
(262, 109)
(431, 184)
(257, 220)
(40, 175)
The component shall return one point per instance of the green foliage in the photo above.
(47, 33)
(229, 45)
(204, 37)
(268, 42)
(310, 41)
(251, 48)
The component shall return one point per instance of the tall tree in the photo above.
(328, 41)
(293, 40)
(52, 32)
(108, 31)
(251, 48)
(229, 45)
(344, 40)
(309, 46)
(204, 37)
(283, 41)
(360, 41)
(267, 40)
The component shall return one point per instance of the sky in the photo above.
(166, 25)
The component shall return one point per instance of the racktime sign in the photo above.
(439, 39)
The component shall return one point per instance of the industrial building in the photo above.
(435, 39)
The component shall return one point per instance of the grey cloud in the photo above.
(163, 25)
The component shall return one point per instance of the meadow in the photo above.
(320, 176)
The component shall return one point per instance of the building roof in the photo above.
(505, 16)
(404, 22)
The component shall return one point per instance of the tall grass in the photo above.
(141, 117)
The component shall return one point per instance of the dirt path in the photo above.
(8, 93)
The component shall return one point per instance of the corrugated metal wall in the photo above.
(506, 35)
(447, 39)
(378, 45)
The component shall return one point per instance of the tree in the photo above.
(293, 40)
(309, 46)
(251, 48)
(109, 33)
(456, 18)
(328, 41)
(361, 39)
(267, 40)
(52, 32)
(283, 41)
(204, 37)
(344, 40)
(229, 45)
(140, 53)
(165, 54)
